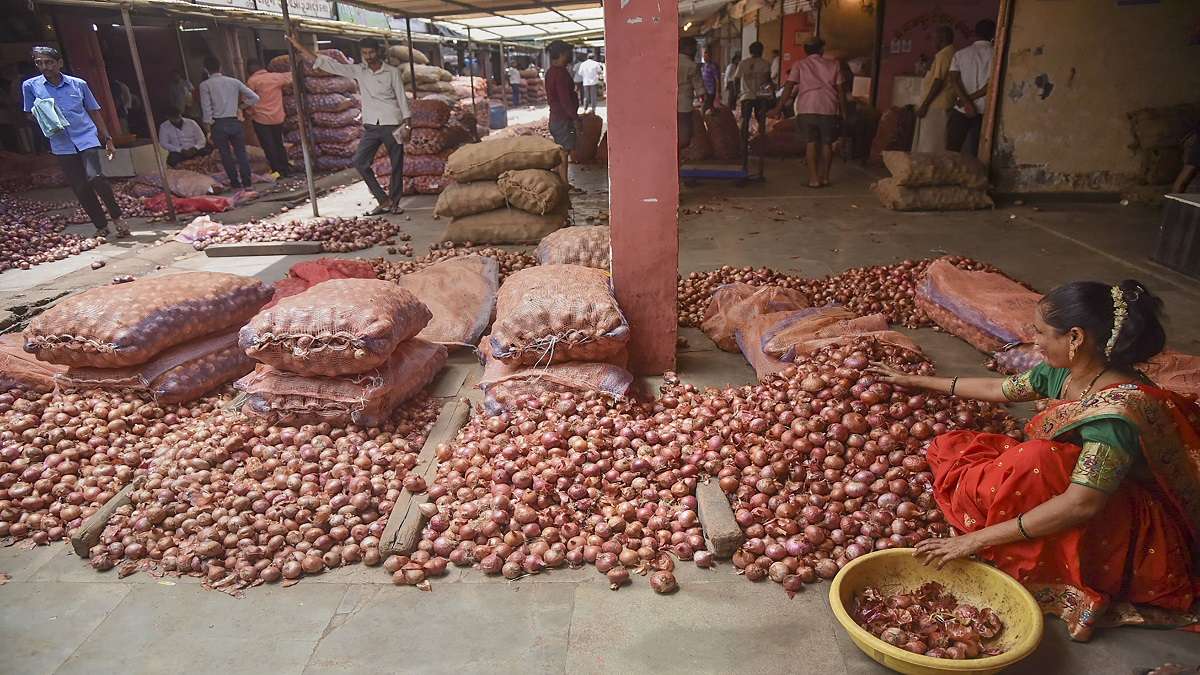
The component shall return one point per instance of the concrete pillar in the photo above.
(642, 37)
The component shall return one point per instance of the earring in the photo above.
(1071, 353)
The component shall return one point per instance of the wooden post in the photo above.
(182, 52)
(141, 78)
(301, 109)
(412, 62)
(642, 46)
(988, 132)
(471, 79)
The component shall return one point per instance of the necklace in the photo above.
(1091, 384)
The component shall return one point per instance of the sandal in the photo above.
(397, 209)
(379, 210)
(102, 232)
(122, 230)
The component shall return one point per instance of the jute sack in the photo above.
(489, 159)
(178, 375)
(555, 313)
(941, 198)
(923, 169)
(367, 399)
(580, 245)
(337, 327)
(461, 294)
(464, 199)
(534, 190)
(127, 324)
(504, 226)
(19, 370)
(400, 54)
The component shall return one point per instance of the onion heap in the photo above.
(562, 479)
(508, 261)
(29, 235)
(241, 503)
(132, 206)
(63, 456)
(337, 235)
(929, 621)
(822, 463)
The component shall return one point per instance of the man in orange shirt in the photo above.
(268, 114)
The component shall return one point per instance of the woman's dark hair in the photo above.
(1090, 306)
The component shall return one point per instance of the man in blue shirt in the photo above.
(77, 146)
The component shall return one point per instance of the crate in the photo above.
(1178, 245)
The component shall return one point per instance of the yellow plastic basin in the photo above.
(971, 582)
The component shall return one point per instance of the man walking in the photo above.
(710, 72)
(221, 100)
(385, 115)
(564, 105)
(69, 116)
(756, 90)
(690, 86)
(268, 114)
(515, 82)
(816, 84)
(970, 73)
(182, 138)
(590, 72)
(938, 96)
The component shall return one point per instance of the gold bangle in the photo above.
(953, 384)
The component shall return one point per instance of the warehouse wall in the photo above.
(1075, 69)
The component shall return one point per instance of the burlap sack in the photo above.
(733, 305)
(585, 245)
(337, 327)
(941, 198)
(367, 399)
(923, 169)
(555, 313)
(178, 375)
(20, 370)
(591, 127)
(534, 190)
(465, 199)
(461, 295)
(701, 147)
(397, 54)
(503, 385)
(425, 74)
(127, 324)
(723, 133)
(504, 226)
(986, 309)
(489, 159)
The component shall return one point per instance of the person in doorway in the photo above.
(515, 82)
(1191, 162)
(970, 73)
(122, 102)
(690, 86)
(710, 72)
(776, 66)
(755, 90)
(69, 116)
(268, 114)
(564, 105)
(180, 92)
(222, 98)
(591, 71)
(815, 82)
(182, 138)
(1097, 506)
(385, 116)
(577, 79)
(731, 85)
(937, 97)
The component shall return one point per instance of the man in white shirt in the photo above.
(590, 72)
(385, 115)
(515, 82)
(182, 138)
(691, 85)
(970, 75)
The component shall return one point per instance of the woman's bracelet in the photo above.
(953, 384)
(1021, 527)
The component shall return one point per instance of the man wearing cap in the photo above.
(816, 84)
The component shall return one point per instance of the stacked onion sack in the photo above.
(335, 114)
(342, 352)
(169, 339)
(534, 92)
(434, 136)
(504, 192)
(933, 181)
(466, 90)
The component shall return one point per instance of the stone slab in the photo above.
(262, 248)
(716, 516)
(43, 624)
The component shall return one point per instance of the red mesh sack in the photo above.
(337, 149)
(602, 149)
(331, 163)
(591, 127)
(732, 305)
(324, 269)
(286, 288)
(986, 309)
(344, 135)
(283, 64)
(461, 295)
(503, 385)
(426, 185)
(782, 339)
(178, 375)
(556, 313)
(366, 399)
(723, 133)
(1175, 371)
(20, 370)
(701, 147)
(424, 165)
(585, 245)
(751, 337)
(337, 327)
(329, 103)
(345, 118)
(330, 85)
(127, 324)
(429, 114)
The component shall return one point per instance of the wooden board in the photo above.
(403, 529)
(88, 534)
(262, 248)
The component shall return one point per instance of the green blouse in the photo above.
(1110, 444)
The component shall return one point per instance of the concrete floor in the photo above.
(59, 616)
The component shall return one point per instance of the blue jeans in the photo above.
(230, 138)
(516, 90)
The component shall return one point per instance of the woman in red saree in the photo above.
(1097, 513)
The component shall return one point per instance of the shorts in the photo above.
(820, 129)
(685, 128)
(564, 134)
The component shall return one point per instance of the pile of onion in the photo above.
(929, 621)
(30, 235)
(240, 503)
(508, 261)
(336, 234)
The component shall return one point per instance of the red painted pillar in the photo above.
(642, 50)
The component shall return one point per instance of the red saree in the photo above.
(1137, 552)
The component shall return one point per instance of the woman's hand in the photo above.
(941, 551)
(888, 374)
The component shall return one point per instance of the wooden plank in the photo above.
(262, 248)
(88, 534)
(403, 529)
(716, 517)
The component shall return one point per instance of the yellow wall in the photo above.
(1101, 62)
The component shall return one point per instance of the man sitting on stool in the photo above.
(182, 138)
